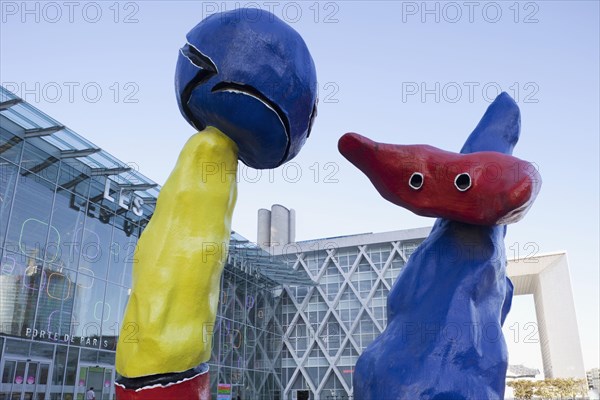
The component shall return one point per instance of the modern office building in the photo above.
(248, 336)
(70, 217)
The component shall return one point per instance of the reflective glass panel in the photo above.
(72, 178)
(8, 374)
(122, 251)
(71, 367)
(43, 374)
(8, 178)
(53, 321)
(28, 227)
(10, 145)
(68, 216)
(96, 238)
(112, 314)
(87, 311)
(42, 164)
(21, 280)
(58, 369)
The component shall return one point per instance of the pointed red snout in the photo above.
(356, 147)
(483, 188)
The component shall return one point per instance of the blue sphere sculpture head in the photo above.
(250, 75)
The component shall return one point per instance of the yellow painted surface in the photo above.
(170, 315)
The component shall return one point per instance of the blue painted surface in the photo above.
(249, 74)
(445, 311)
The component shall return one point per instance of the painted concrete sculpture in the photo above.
(443, 338)
(249, 85)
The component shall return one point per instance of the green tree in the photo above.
(524, 389)
(581, 388)
(545, 389)
(549, 389)
(568, 388)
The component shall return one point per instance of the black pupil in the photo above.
(463, 181)
(416, 180)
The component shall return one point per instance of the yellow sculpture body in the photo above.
(171, 312)
(254, 79)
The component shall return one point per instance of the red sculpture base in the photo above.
(196, 388)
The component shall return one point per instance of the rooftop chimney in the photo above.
(276, 227)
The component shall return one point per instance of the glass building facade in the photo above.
(68, 229)
(247, 337)
(70, 217)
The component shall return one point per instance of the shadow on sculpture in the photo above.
(246, 80)
(443, 339)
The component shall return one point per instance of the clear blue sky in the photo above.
(400, 72)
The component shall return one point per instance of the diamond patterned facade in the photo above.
(248, 336)
(327, 326)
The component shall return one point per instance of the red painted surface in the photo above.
(197, 388)
(503, 187)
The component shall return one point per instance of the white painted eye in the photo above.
(416, 180)
(462, 182)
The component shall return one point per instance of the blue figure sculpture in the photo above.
(249, 74)
(443, 339)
